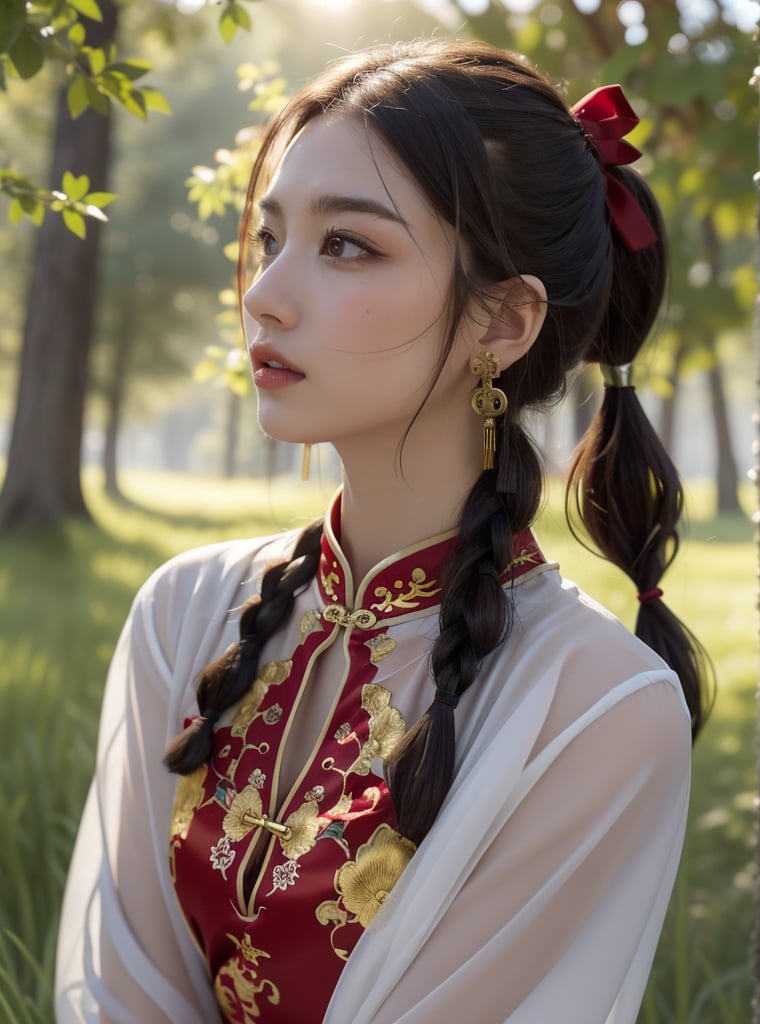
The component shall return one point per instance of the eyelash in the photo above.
(259, 237)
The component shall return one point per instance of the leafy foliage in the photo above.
(55, 32)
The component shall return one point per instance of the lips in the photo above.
(270, 369)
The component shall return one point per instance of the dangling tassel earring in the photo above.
(488, 402)
(306, 462)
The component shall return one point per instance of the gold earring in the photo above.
(306, 462)
(488, 402)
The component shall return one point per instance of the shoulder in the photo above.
(190, 600)
(594, 665)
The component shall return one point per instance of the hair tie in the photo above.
(446, 697)
(606, 116)
(211, 717)
(617, 376)
(649, 595)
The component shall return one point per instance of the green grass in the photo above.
(64, 596)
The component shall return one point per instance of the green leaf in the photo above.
(74, 222)
(241, 15)
(77, 99)
(95, 97)
(134, 103)
(155, 100)
(131, 69)
(37, 214)
(15, 212)
(228, 25)
(89, 9)
(77, 34)
(75, 188)
(100, 199)
(97, 60)
(26, 54)
(12, 22)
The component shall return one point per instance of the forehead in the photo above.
(337, 154)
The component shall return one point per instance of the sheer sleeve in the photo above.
(124, 952)
(555, 915)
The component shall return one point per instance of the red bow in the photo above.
(606, 117)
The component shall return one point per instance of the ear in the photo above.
(517, 312)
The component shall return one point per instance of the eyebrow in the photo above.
(331, 204)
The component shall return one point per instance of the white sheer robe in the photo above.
(539, 893)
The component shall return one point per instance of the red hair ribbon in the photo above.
(650, 595)
(606, 117)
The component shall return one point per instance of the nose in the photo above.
(269, 300)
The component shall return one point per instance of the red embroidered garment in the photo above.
(278, 891)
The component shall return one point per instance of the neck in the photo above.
(383, 512)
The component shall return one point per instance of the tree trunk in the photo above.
(667, 428)
(726, 475)
(114, 394)
(42, 483)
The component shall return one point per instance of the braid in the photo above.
(475, 618)
(227, 679)
(627, 493)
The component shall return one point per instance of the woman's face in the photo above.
(345, 318)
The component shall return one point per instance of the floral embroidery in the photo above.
(342, 731)
(363, 884)
(257, 778)
(331, 912)
(386, 728)
(284, 875)
(240, 819)
(304, 828)
(310, 623)
(380, 647)
(273, 673)
(237, 984)
(315, 793)
(273, 714)
(222, 856)
(417, 586)
(187, 799)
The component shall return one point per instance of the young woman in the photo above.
(414, 775)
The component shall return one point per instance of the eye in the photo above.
(264, 243)
(339, 246)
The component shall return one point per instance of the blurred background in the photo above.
(128, 425)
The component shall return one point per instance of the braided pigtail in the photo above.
(476, 616)
(623, 485)
(227, 679)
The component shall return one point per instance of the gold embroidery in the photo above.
(524, 558)
(330, 581)
(303, 826)
(339, 614)
(310, 623)
(188, 798)
(237, 984)
(244, 814)
(416, 587)
(331, 912)
(380, 647)
(386, 729)
(271, 674)
(364, 884)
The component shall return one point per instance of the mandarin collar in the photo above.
(407, 583)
